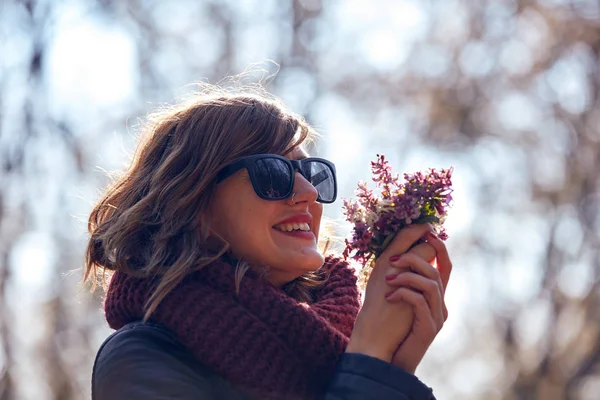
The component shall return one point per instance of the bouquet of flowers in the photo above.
(423, 197)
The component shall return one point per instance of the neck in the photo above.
(279, 279)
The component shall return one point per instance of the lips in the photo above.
(296, 219)
(298, 234)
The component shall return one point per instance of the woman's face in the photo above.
(250, 225)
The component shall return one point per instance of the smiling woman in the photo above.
(217, 288)
(268, 233)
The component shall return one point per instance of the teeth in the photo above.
(302, 226)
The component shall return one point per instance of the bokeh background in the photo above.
(506, 91)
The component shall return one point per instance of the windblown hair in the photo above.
(152, 221)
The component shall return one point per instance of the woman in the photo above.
(219, 288)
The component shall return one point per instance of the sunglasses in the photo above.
(272, 175)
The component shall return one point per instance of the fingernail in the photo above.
(391, 277)
(388, 294)
(432, 235)
(394, 258)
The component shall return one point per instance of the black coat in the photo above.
(145, 361)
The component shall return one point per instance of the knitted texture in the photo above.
(263, 341)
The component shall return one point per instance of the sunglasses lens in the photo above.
(322, 177)
(273, 178)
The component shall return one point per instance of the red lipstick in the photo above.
(297, 218)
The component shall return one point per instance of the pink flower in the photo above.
(423, 197)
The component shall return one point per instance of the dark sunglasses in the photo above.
(272, 175)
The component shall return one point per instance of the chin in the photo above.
(302, 262)
(312, 262)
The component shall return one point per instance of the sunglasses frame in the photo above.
(294, 165)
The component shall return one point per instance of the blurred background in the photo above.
(506, 91)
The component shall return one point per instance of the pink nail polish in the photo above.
(394, 258)
(391, 277)
(388, 294)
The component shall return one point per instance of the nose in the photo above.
(305, 191)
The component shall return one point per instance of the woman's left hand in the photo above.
(423, 287)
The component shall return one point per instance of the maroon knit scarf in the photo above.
(263, 341)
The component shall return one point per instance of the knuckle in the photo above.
(420, 300)
(431, 332)
(405, 292)
(433, 287)
(439, 324)
(424, 250)
(391, 270)
(410, 257)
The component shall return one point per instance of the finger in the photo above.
(429, 288)
(425, 251)
(422, 267)
(405, 238)
(418, 265)
(444, 265)
(424, 324)
(444, 310)
(428, 270)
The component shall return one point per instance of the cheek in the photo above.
(243, 222)
(227, 212)
(316, 211)
(250, 234)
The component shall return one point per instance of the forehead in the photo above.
(297, 153)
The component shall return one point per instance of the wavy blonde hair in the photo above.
(152, 221)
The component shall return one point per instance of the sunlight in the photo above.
(92, 64)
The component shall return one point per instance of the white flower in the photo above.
(384, 205)
(359, 215)
(371, 217)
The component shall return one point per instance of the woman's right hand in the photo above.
(381, 325)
